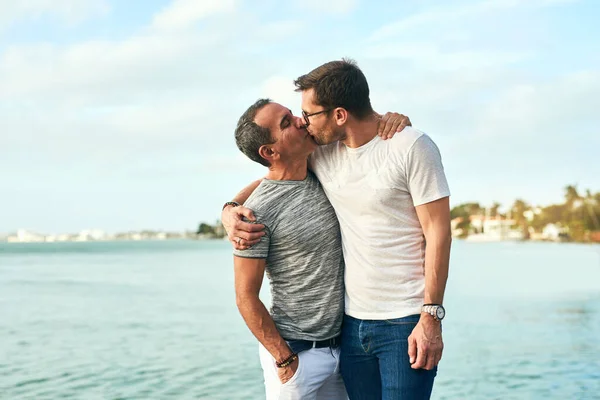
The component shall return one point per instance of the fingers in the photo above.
(242, 244)
(427, 356)
(246, 227)
(401, 123)
(287, 373)
(431, 361)
(412, 349)
(391, 123)
(421, 360)
(242, 234)
(231, 215)
(250, 233)
(245, 235)
(246, 212)
(386, 125)
(438, 355)
(434, 359)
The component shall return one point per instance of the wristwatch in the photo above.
(437, 311)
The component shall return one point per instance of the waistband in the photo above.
(301, 345)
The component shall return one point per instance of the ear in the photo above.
(340, 115)
(268, 153)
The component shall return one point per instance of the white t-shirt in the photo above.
(374, 190)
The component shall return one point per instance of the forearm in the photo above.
(261, 325)
(243, 195)
(437, 259)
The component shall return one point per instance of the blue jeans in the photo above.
(374, 360)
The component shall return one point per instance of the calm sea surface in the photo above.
(157, 320)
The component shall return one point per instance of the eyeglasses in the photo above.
(305, 115)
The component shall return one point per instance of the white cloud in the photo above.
(431, 56)
(544, 110)
(182, 14)
(281, 90)
(279, 29)
(89, 68)
(330, 6)
(70, 11)
(435, 18)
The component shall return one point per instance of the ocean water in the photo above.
(157, 320)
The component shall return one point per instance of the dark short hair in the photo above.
(249, 136)
(338, 84)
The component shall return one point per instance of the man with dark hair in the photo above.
(302, 255)
(392, 202)
(339, 84)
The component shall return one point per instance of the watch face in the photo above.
(440, 313)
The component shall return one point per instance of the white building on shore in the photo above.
(493, 229)
(24, 236)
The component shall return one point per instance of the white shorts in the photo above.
(317, 377)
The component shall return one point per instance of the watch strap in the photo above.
(431, 309)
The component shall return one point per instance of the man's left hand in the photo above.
(391, 123)
(425, 343)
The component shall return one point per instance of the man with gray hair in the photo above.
(301, 253)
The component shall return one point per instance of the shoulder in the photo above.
(404, 141)
(413, 143)
(263, 200)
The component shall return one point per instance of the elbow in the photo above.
(243, 299)
(239, 300)
(449, 236)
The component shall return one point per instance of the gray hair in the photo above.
(249, 136)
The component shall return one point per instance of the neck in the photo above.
(291, 171)
(360, 132)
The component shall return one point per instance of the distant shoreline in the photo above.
(223, 239)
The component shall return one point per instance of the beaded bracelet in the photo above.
(231, 203)
(287, 361)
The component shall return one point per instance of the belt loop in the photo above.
(314, 345)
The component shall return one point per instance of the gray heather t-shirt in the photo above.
(303, 252)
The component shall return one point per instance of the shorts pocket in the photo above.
(296, 374)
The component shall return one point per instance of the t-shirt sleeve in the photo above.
(425, 172)
(260, 249)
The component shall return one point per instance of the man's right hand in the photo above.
(242, 235)
(287, 373)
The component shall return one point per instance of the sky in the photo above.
(120, 115)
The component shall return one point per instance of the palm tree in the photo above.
(572, 197)
(591, 204)
(518, 210)
(494, 209)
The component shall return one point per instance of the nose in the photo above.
(300, 123)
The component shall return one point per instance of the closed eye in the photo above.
(285, 121)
